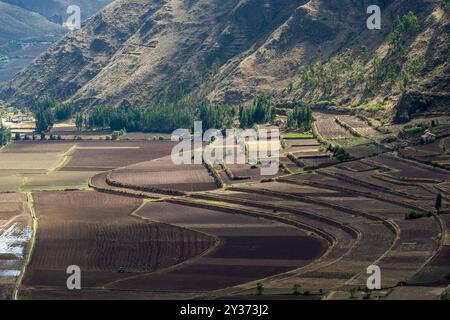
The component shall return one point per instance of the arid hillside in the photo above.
(17, 23)
(229, 51)
(55, 10)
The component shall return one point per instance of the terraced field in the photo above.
(328, 128)
(108, 155)
(162, 174)
(152, 229)
(96, 232)
(250, 248)
(360, 126)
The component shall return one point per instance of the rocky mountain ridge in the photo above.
(144, 52)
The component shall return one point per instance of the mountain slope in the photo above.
(18, 23)
(55, 10)
(228, 51)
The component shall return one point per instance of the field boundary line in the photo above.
(217, 243)
(31, 245)
(64, 159)
(314, 265)
(397, 238)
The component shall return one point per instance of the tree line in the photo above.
(261, 111)
(300, 117)
(157, 118)
(167, 117)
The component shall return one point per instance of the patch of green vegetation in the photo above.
(350, 142)
(261, 111)
(325, 103)
(157, 118)
(63, 111)
(445, 295)
(339, 152)
(446, 276)
(295, 160)
(329, 76)
(445, 5)
(284, 291)
(300, 117)
(296, 289)
(297, 136)
(5, 136)
(284, 169)
(413, 130)
(407, 24)
(371, 108)
(217, 178)
(429, 274)
(44, 113)
(413, 215)
(216, 116)
(259, 289)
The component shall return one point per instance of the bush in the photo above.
(214, 174)
(5, 135)
(413, 215)
(340, 153)
(446, 276)
(296, 289)
(295, 160)
(284, 169)
(445, 295)
(352, 292)
(259, 289)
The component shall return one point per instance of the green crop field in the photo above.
(297, 136)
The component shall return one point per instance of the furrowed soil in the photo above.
(250, 248)
(107, 155)
(96, 232)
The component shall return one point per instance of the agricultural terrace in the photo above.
(141, 227)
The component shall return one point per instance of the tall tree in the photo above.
(43, 114)
(438, 204)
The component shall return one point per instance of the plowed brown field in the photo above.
(95, 232)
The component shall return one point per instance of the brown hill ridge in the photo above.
(230, 50)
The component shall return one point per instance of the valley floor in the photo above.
(140, 227)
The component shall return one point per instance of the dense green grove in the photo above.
(169, 116)
(300, 117)
(44, 113)
(215, 116)
(261, 111)
(158, 118)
